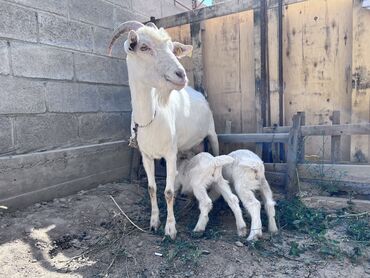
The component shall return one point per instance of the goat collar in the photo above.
(133, 139)
(147, 124)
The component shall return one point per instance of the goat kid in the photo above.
(203, 173)
(247, 174)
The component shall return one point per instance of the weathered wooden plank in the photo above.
(335, 139)
(292, 156)
(346, 172)
(196, 38)
(323, 130)
(254, 138)
(301, 142)
(360, 112)
(276, 167)
(346, 177)
(257, 74)
(335, 203)
(218, 10)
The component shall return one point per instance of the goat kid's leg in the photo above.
(269, 205)
(232, 200)
(152, 186)
(205, 206)
(169, 193)
(253, 206)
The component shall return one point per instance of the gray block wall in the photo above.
(64, 104)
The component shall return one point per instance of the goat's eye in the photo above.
(144, 48)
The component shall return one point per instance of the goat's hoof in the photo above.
(197, 234)
(170, 230)
(254, 235)
(273, 229)
(154, 224)
(242, 232)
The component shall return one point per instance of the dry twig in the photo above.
(124, 214)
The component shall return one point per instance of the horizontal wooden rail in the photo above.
(320, 130)
(344, 176)
(254, 138)
(222, 9)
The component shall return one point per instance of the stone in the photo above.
(61, 32)
(17, 22)
(21, 96)
(93, 11)
(97, 69)
(38, 61)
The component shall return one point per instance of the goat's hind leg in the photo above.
(222, 186)
(152, 186)
(253, 206)
(269, 205)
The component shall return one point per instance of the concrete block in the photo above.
(72, 97)
(104, 126)
(33, 60)
(93, 11)
(115, 99)
(20, 95)
(4, 60)
(29, 178)
(5, 134)
(122, 3)
(54, 6)
(122, 15)
(45, 131)
(98, 69)
(59, 31)
(102, 37)
(148, 8)
(17, 23)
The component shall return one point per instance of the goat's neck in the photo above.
(143, 102)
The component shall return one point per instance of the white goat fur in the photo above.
(247, 174)
(171, 118)
(204, 172)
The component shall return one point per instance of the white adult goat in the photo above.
(203, 173)
(247, 174)
(168, 118)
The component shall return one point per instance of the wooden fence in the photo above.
(347, 177)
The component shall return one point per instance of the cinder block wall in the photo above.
(64, 104)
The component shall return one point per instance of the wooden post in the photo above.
(335, 139)
(301, 147)
(292, 157)
(197, 56)
(257, 73)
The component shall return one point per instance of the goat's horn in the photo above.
(121, 29)
(151, 24)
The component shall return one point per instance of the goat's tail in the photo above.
(222, 160)
(258, 168)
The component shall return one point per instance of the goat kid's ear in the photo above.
(181, 50)
(132, 40)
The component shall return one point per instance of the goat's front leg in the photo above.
(152, 186)
(169, 193)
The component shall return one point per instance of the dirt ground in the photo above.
(85, 235)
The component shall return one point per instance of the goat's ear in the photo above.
(132, 40)
(181, 50)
